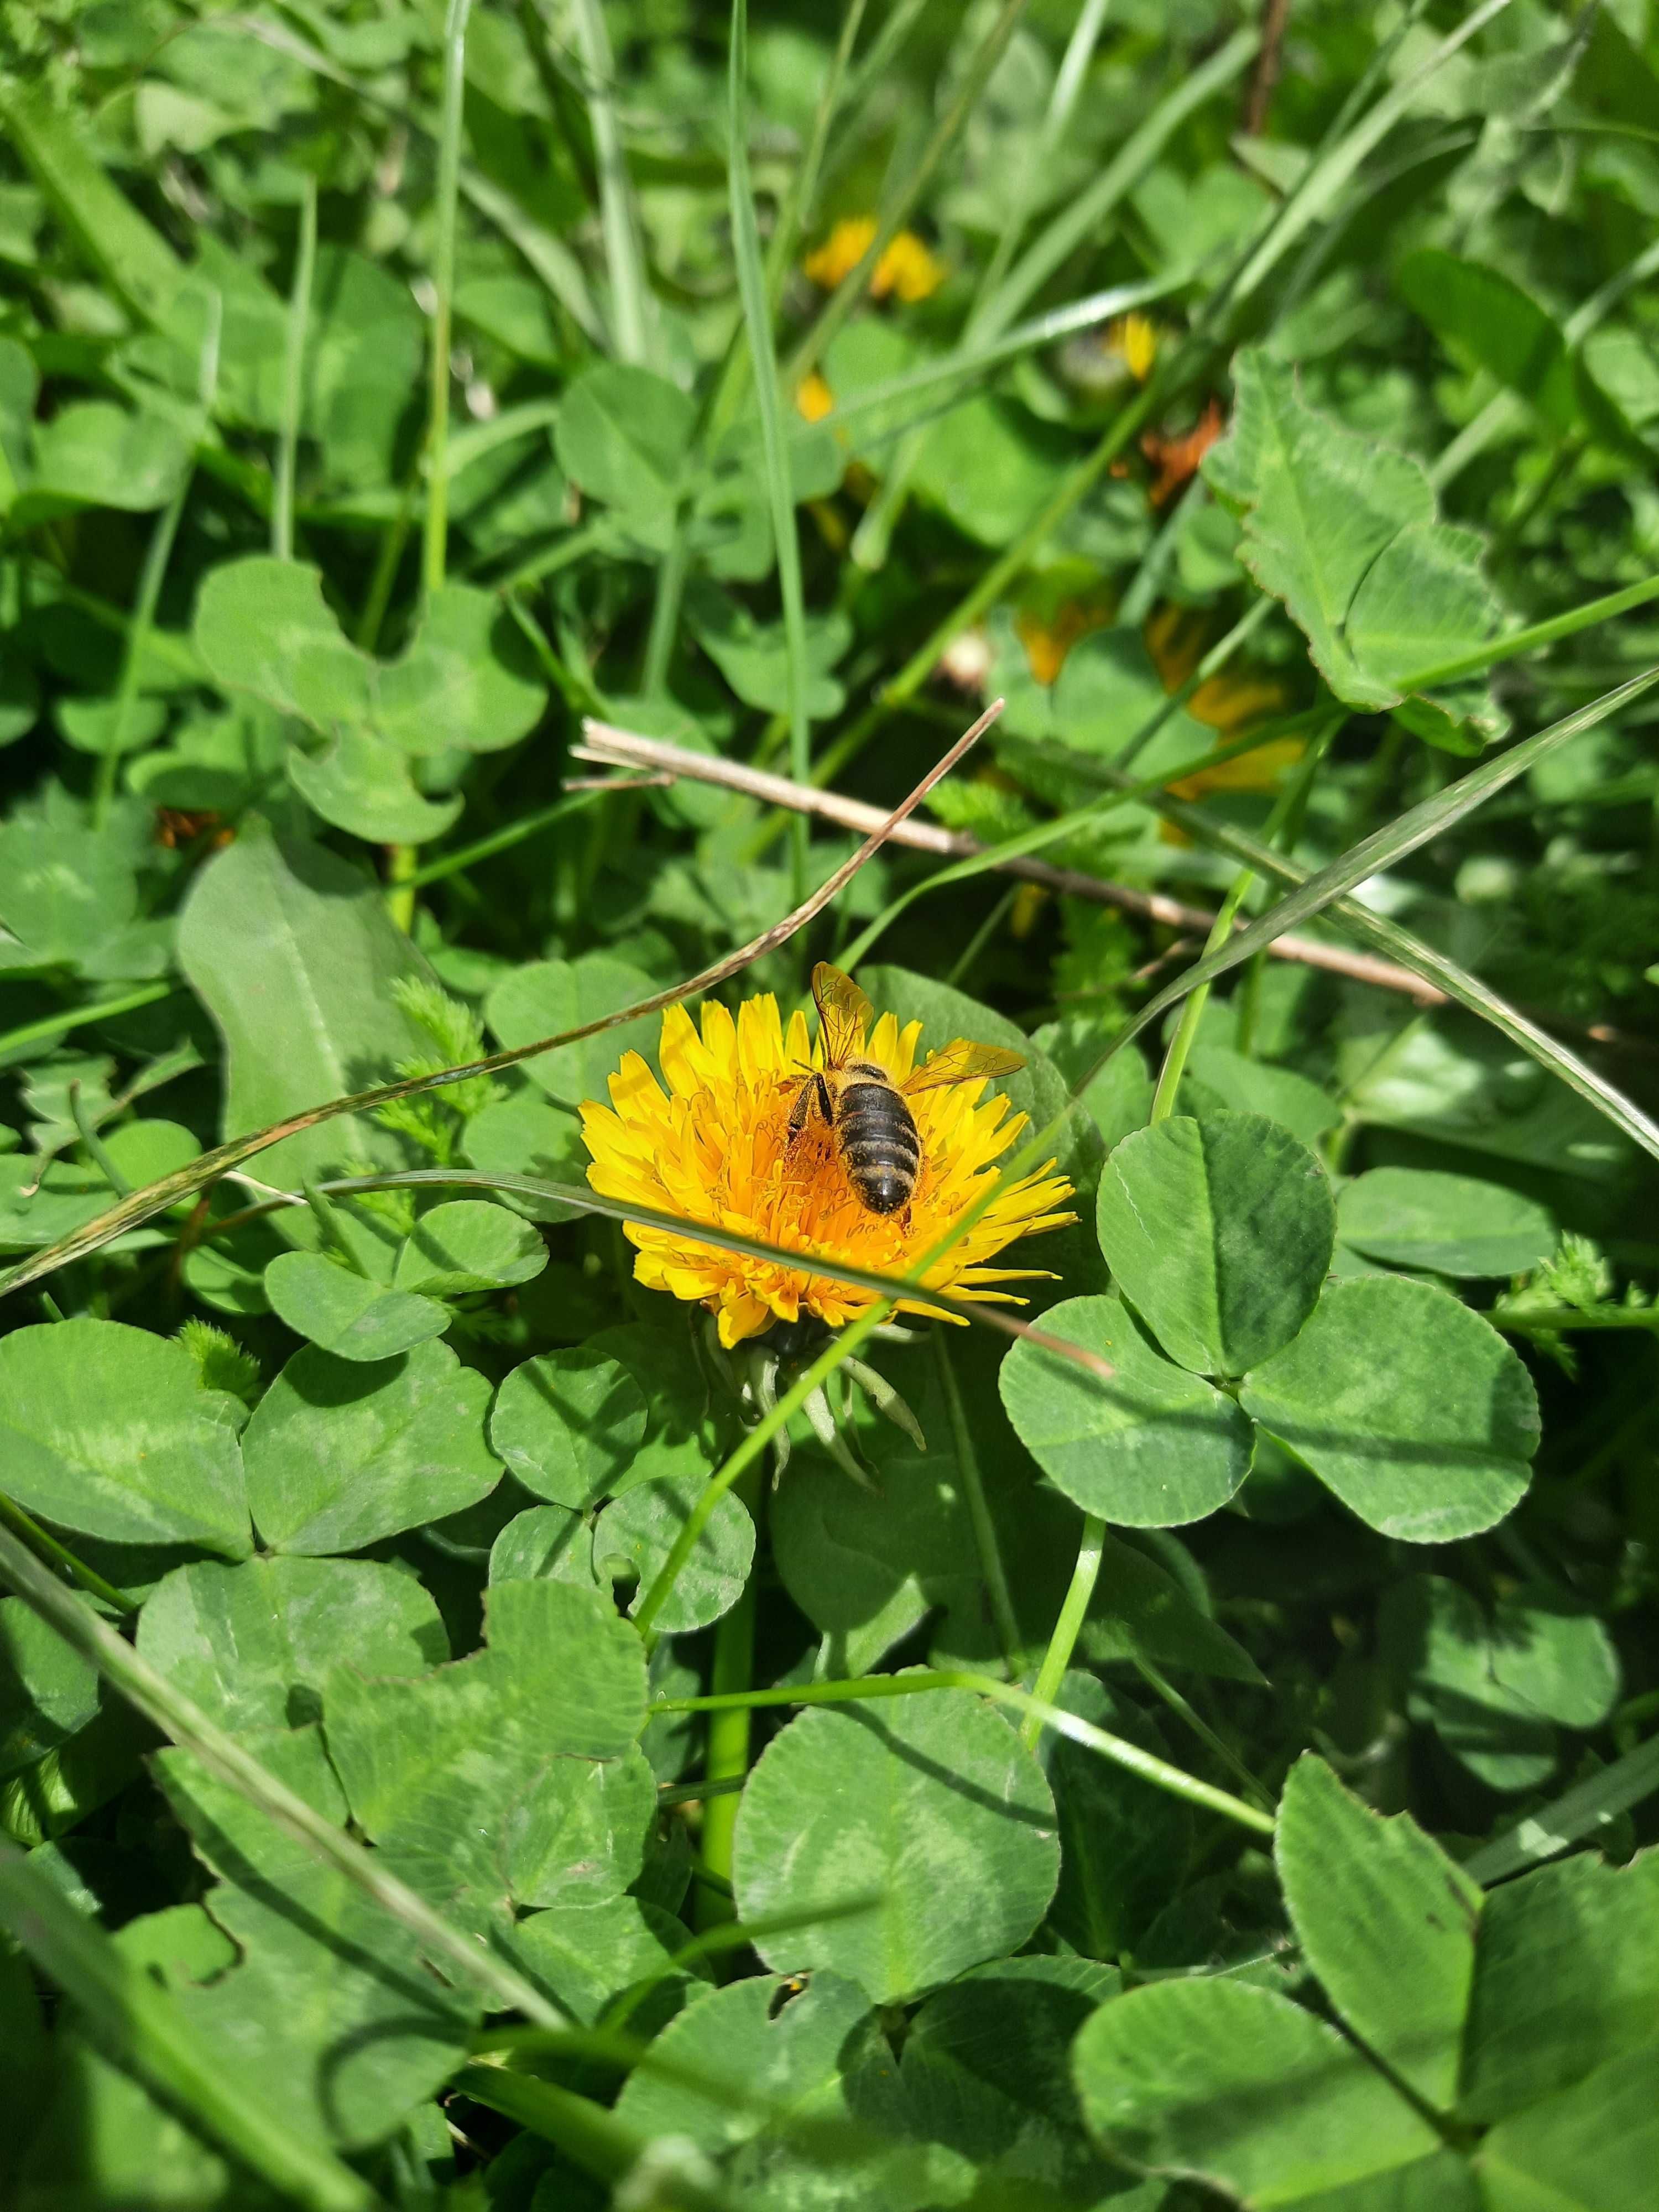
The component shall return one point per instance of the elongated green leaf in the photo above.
(272, 925)
(1591, 1805)
(134, 258)
(758, 327)
(1491, 318)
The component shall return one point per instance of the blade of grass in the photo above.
(548, 256)
(798, 201)
(1068, 83)
(140, 631)
(754, 1441)
(79, 1017)
(1400, 945)
(976, 358)
(1517, 641)
(1504, 411)
(629, 305)
(757, 320)
(46, 1546)
(436, 534)
(795, 209)
(1314, 194)
(157, 554)
(1158, 1771)
(182, 1720)
(293, 370)
(593, 2138)
(1026, 841)
(146, 2028)
(503, 840)
(1285, 824)
(978, 1510)
(1589, 1806)
(1079, 481)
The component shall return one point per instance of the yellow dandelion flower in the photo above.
(908, 269)
(1049, 637)
(1133, 338)
(714, 1147)
(841, 251)
(813, 398)
(1228, 704)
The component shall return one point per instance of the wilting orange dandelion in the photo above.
(713, 1146)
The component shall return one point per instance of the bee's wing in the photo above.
(844, 1013)
(961, 1062)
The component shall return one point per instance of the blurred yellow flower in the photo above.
(907, 268)
(813, 398)
(712, 1146)
(1134, 340)
(1228, 704)
(1048, 635)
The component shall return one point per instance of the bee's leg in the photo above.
(800, 1118)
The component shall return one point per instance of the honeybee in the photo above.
(859, 1103)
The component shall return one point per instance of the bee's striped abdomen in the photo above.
(879, 1147)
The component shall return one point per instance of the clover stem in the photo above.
(48, 1548)
(1175, 1060)
(1058, 1657)
(728, 1734)
(400, 864)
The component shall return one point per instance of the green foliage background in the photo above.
(465, 1746)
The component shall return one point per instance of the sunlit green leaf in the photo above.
(105, 1429)
(1412, 1408)
(928, 1811)
(342, 1452)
